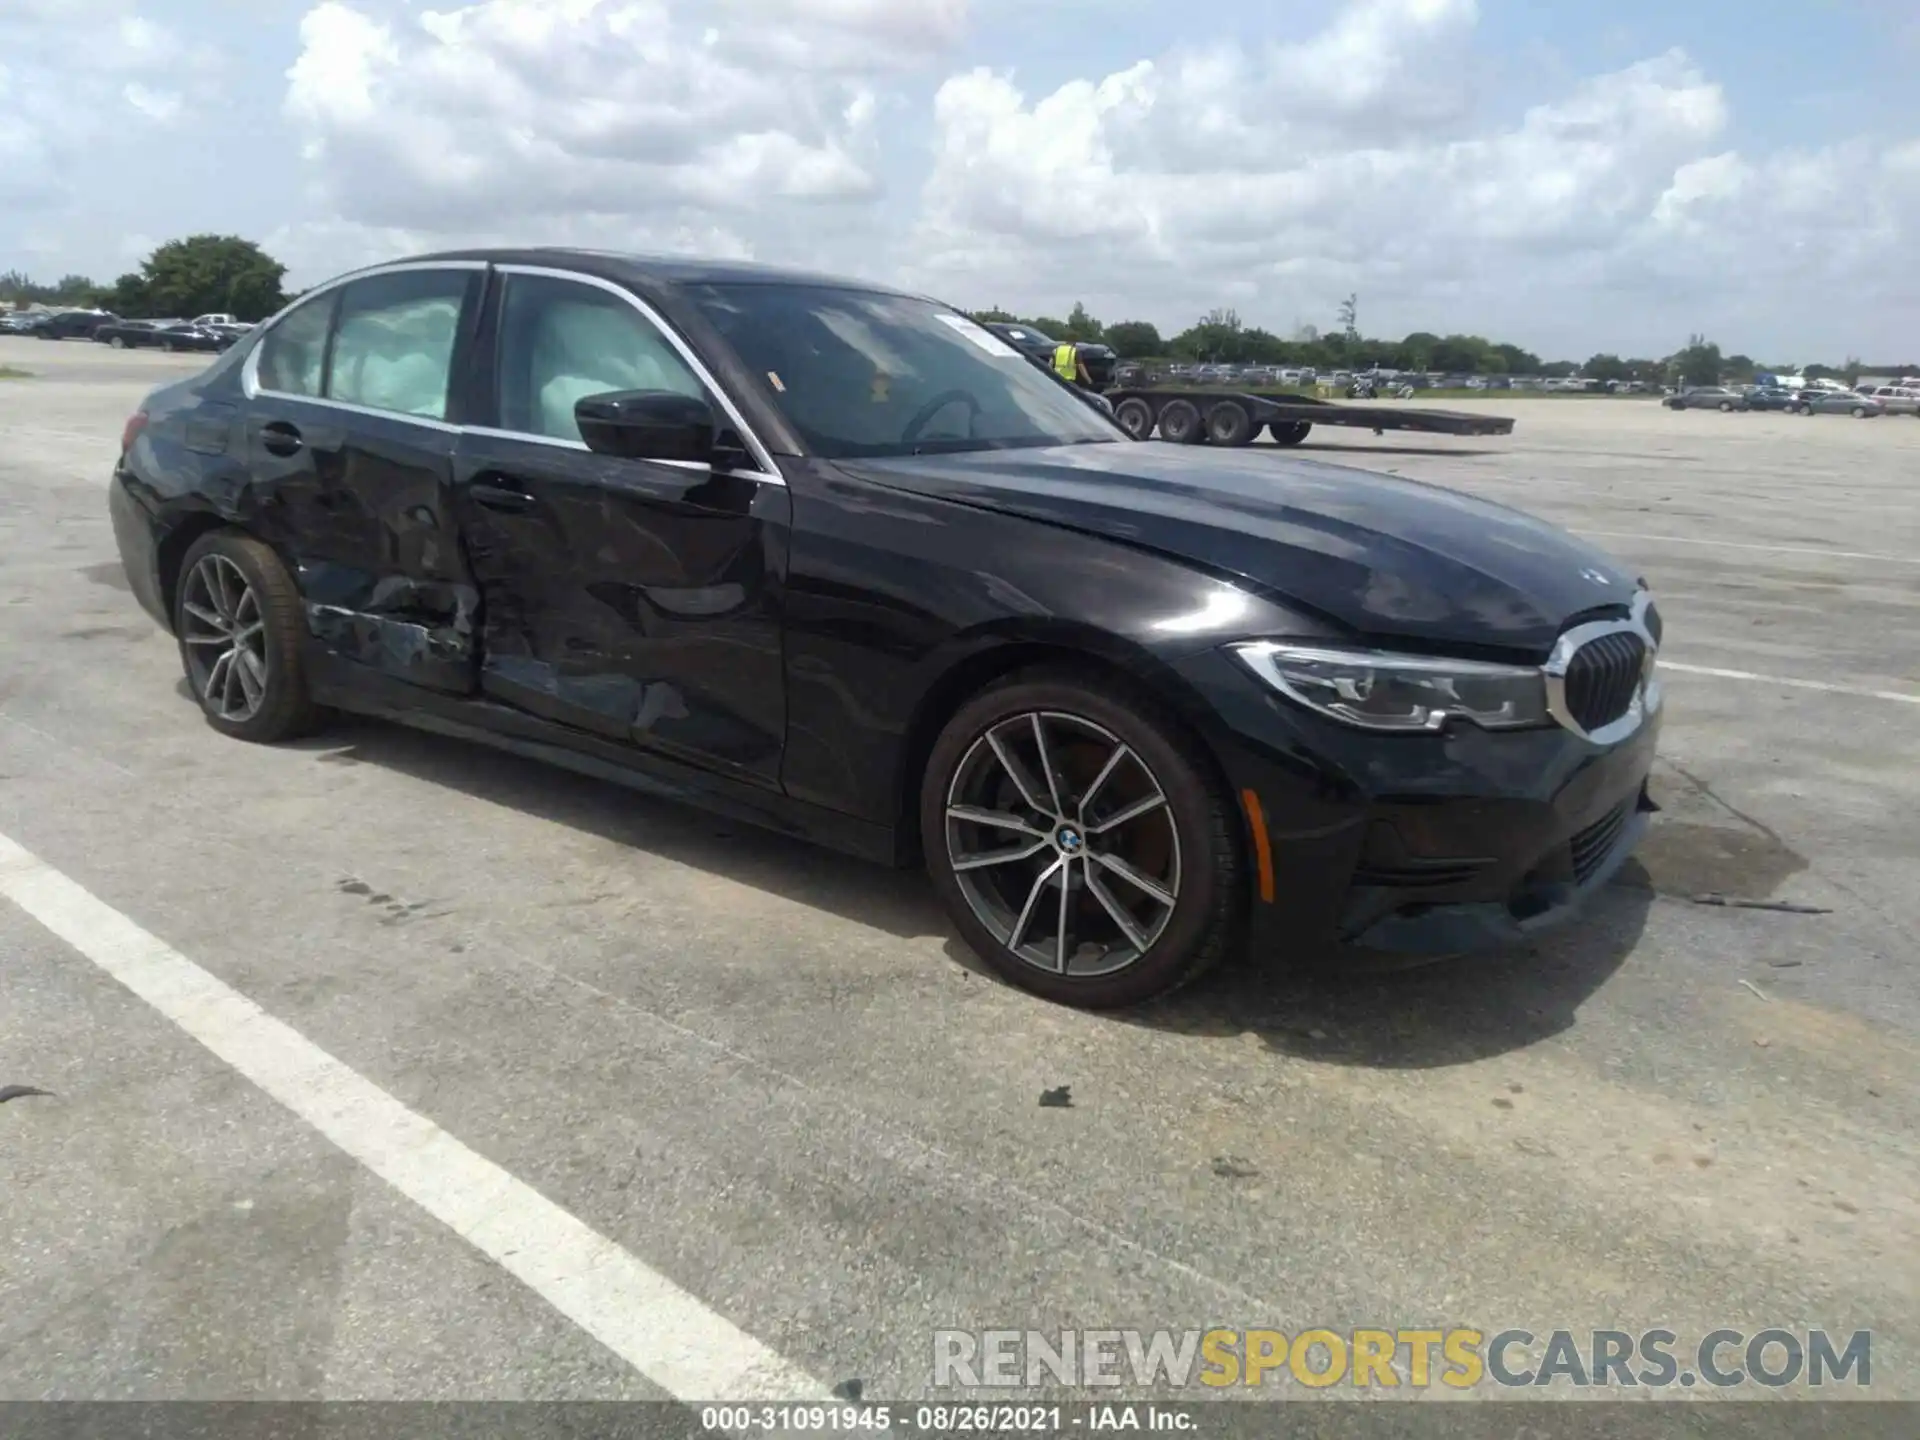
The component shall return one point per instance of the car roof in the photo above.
(650, 271)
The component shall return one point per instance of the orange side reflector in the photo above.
(1262, 849)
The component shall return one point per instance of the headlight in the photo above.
(1406, 693)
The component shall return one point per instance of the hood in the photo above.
(1384, 556)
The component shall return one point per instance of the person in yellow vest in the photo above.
(1067, 365)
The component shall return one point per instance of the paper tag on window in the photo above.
(985, 339)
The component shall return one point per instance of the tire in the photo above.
(1135, 417)
(283, 708)
(1188, 847)
(169, 347)
(1859, 412)
(1180, 423)
(1726, 407)
(1229, 424)
(1289, 432)
(117, 343)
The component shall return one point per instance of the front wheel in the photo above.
(1079, 841)
(1726, 407)
(1859, 412)
(241, 628)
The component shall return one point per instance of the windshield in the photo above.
(860, 374)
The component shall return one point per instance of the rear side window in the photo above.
(293, 354)
(561, 340)
(393, 345)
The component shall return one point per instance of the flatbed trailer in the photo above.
(1236, 417)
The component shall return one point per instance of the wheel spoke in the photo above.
(1120, 752)
(1046, 763)
(1133, 877)
(1033, 900)
(999, 819)
(1015, 772)
(247, 632)
(231, 684)
(222, 595)
(1002, 857)
(223, 640)
(1133, 812)
(1066, 896)
(217, 677)
(253, 677)
(205, 616)
(1117, 912)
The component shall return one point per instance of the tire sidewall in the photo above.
(1208, 879)
(286, 709)
(1135, 407)
(1183, 408)
(1240, 430)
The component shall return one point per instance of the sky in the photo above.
(1573, 178)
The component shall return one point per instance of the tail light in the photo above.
(129, 433)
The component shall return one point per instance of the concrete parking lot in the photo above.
(767, 1076)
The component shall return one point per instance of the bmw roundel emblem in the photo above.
(1069, 841)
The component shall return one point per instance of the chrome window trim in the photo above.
(1646, 695)
(251, 387)
(768, 472)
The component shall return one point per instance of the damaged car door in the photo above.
(637, 600)
(350, 442)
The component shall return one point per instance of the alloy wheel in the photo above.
(226, 639)
(1063, 843)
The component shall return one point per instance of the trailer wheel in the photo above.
(1180, 423)
(1229, 424)
(1288, 432)
(1135, 417)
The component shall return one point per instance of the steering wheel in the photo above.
(933, 407)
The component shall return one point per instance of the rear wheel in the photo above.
(1135, 417)
(238, 617)
(117, 343)
(1288, 432)
(1229, 424)
(1078, 841)
(1726, 406)
(1180, 423)
(1859, 412)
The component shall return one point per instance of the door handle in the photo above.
(496, 497)
(280, 438)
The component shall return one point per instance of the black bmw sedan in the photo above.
(837, 560)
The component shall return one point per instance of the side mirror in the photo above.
(647, 425)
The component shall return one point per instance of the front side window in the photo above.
(562, 340)
(863, 374)
(293, 354)
(393, 344)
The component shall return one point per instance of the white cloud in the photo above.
(157, 105)
(1356, 160)
(675, 116)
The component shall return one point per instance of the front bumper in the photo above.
(1420, 845)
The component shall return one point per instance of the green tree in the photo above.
(1350, 318)
(1081, 326)
(130, 298)
(213, 272)
(1700, 362)
(1740, 369)
(1135, 339)
(1606, 367)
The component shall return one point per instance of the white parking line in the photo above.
(1745, 545)
(1831, 689)
(666, 1334)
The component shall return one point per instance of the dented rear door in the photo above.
(358, 479)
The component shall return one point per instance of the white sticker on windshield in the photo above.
(985, 339)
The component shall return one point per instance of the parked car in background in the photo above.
(171, 335)
(1099, 359)
(1708, 397)
(19, 322)
(216, 318)
(73, 324)
(1837, 402)
(1898, 399)
(1768, 397)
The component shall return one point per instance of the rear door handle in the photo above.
(496, 497)
(280, 438)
